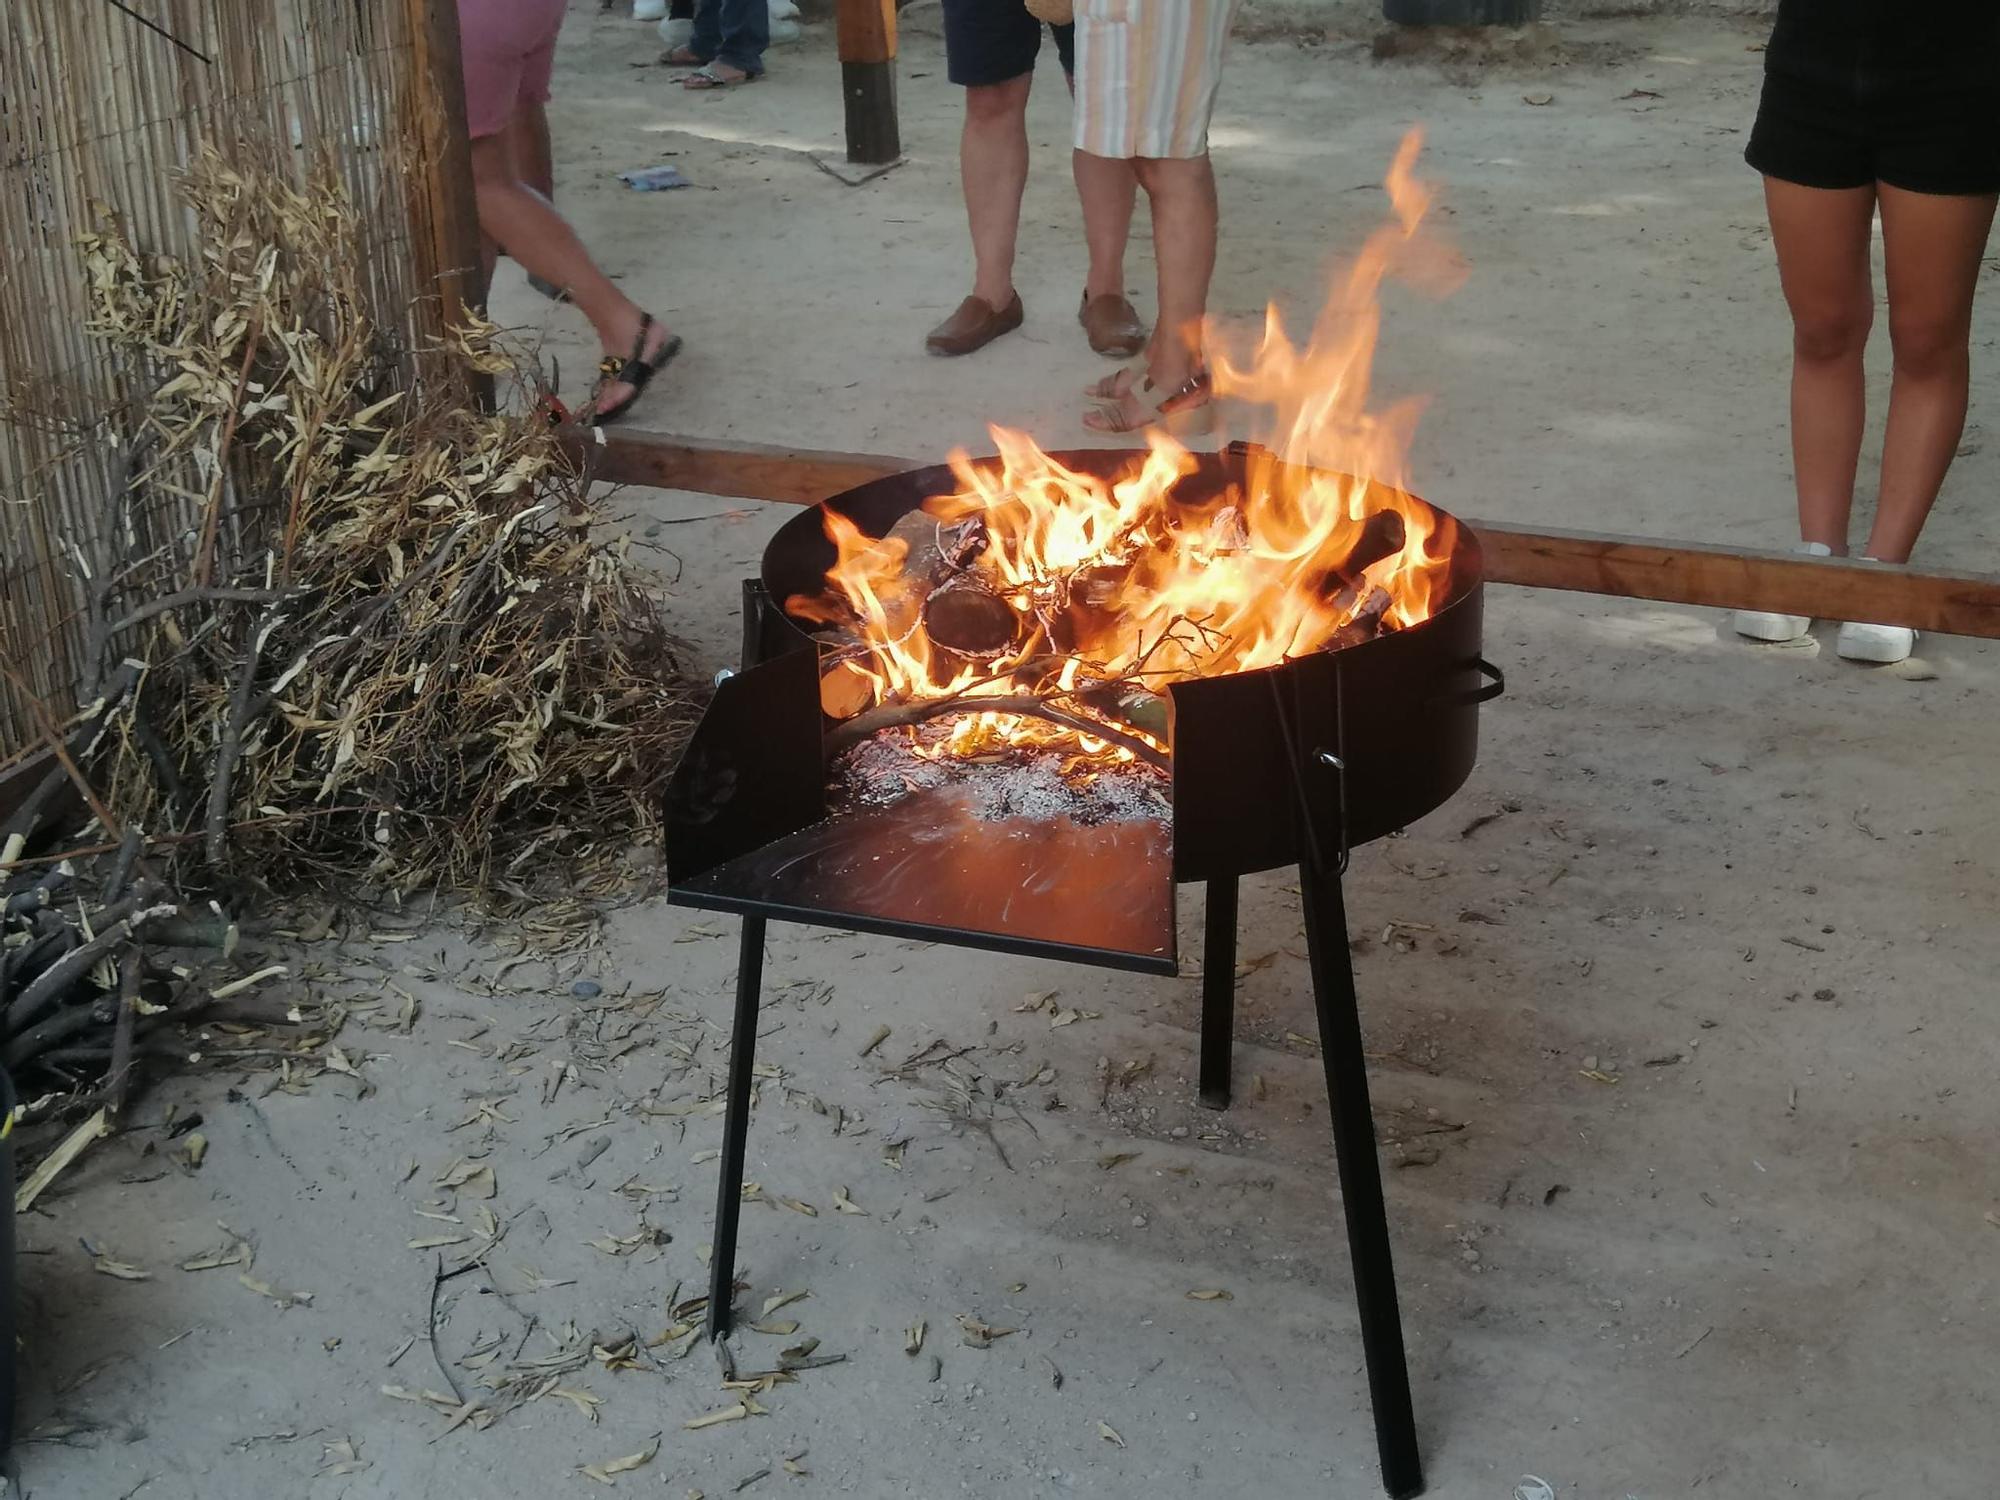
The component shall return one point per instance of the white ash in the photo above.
(1032, 783)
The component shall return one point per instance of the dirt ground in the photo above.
(1684, 1060)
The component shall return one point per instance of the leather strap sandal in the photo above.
(634, 370)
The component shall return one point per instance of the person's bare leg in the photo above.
(993, 167)
(1182, 195)
(515, 215)
(1931, 249)
(534, 162)
(1822, 239)
(1107, 189)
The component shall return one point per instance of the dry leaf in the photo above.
(981, 1335)
(473, 1179)
(1292, 1038)
(913, 1336)
(104, 1265)
(779, 1327)
(283, 1299)
(439, 1241)
(1538, 99)
(793, 1468)
(1113, 1159)
(603, 1473)
(845, 1204)
(1212, 1294)
(881, 1035)
(236, 1253)
(1109, 1433)
(703, 1156)
(343, 1457)
(734, 1413)
(583, 1401)
(1597, 1075)
(192, 1150)
(800, 1206)
(782, 1299)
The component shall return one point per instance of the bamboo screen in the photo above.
(102, 104)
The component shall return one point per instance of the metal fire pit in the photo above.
(1294, 764)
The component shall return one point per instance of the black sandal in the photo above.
(634, 370)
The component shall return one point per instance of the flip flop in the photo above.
(635, 370)
(705, 77)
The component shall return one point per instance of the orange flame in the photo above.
(1139, 581)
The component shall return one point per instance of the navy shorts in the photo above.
(1864, 91)
(993, 41)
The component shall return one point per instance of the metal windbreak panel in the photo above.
(937, 865)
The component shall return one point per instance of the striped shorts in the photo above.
(1146, 75)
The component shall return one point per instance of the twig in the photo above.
(903, 715)
(55, 743)
(26, 1007)
(121, 867)
(155, 607)
(217, 827)
(121, 1034)
(431, 1333)
(204, 556)
(52, 1166)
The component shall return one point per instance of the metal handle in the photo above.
(1485, 693)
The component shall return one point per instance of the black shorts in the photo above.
(1905, 92)
(992, 41)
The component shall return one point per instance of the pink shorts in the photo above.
(509, 47)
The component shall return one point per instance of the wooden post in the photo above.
(866, 32)
(435, 115)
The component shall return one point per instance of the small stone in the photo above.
(1138, 1221)
(1179, 1132)
(1469, 1256)
(586, 989)
(1590, 1063)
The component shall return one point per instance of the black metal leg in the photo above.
(1218, 991)
(1361, 1182)
(735, 1130)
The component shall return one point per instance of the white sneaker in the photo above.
(1762, 625)
(649, 10)
(782, 10)
(1879, 644)
(677, 33)
(784, 32)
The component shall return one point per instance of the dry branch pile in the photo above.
(348, 630)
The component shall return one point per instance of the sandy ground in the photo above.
(1753, 886)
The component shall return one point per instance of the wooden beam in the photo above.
(865, 32)
(1622, 567)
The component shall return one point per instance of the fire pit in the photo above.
(931, 743)
(1011, 703)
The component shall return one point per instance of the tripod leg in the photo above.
(1218, 992)
(735, 1130)
(1361, 1183)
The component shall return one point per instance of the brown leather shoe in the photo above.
(1112, 325)
(976, 324)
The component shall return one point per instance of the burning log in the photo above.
(966, 617)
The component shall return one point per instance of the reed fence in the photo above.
(103, 103)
